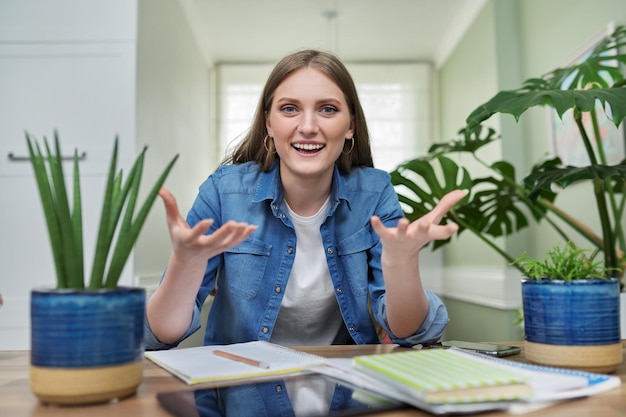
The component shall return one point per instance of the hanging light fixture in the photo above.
(331, 28)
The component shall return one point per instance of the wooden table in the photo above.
(16, 399)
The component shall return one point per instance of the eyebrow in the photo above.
(331, 100)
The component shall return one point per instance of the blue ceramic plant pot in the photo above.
(97, 334)
(579, 312)
(81, 329)
(574, 324)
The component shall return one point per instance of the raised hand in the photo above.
(406, 239)
(407, 303)
(190, 243)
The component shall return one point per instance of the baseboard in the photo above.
(15, 323)
(492, 287)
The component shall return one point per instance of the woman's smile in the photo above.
(308, 148)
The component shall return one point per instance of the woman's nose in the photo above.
(308, 123)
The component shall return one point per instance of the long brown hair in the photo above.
(254, 147)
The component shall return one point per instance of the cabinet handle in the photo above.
(17, 158)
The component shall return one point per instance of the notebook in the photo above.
(442, 376)
(447, 370)
(247, 360)
(552, 383)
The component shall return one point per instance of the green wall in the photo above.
(510, 41)
(572, 25)
(478, 323)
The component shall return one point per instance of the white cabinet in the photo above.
(70, 69)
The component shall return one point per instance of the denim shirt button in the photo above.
(330, 251)
(339, 290)
(278, 388)
(290, 250)
(265, 330)
(351, 329)
(277, 289)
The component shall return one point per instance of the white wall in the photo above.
(173, 117)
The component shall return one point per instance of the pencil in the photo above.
(243, 359)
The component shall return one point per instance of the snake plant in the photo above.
(119, 224)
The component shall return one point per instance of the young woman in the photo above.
(302, 238)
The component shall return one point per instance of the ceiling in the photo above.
(357, 30)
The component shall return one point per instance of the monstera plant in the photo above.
(500, 204)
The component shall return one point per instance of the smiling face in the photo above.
(309, 121)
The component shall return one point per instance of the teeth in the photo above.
(308, 146)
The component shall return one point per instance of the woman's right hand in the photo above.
(190, 244)
(170, 308)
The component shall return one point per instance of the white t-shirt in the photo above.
(309, 313)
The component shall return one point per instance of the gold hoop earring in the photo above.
(265, 143)
(351, 147)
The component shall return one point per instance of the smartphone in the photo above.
(486, 348)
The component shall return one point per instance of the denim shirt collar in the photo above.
(270, 188)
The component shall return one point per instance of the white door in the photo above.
(86, 91)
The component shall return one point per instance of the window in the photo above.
(396, 99)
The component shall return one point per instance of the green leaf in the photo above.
(72, 266)
(518, 101)
(470, 142)
(542, 180)
(575, 87)
(500, 207)
(598, 69)
(114, 201)
(47, 202)
(77, 226)
(125, 240)
(105, 233)
(124, 245)
(419, 187)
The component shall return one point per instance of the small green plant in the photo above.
(566, 264)
(119, 226)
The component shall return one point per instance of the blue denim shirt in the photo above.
(252, 276)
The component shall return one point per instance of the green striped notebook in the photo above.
(443, 376)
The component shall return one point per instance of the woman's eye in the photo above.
(288, 109)
(329, 110)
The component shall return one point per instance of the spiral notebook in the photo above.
(233, 362)
(440, 376)
(489, 383)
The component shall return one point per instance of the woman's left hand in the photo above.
(406, 239)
